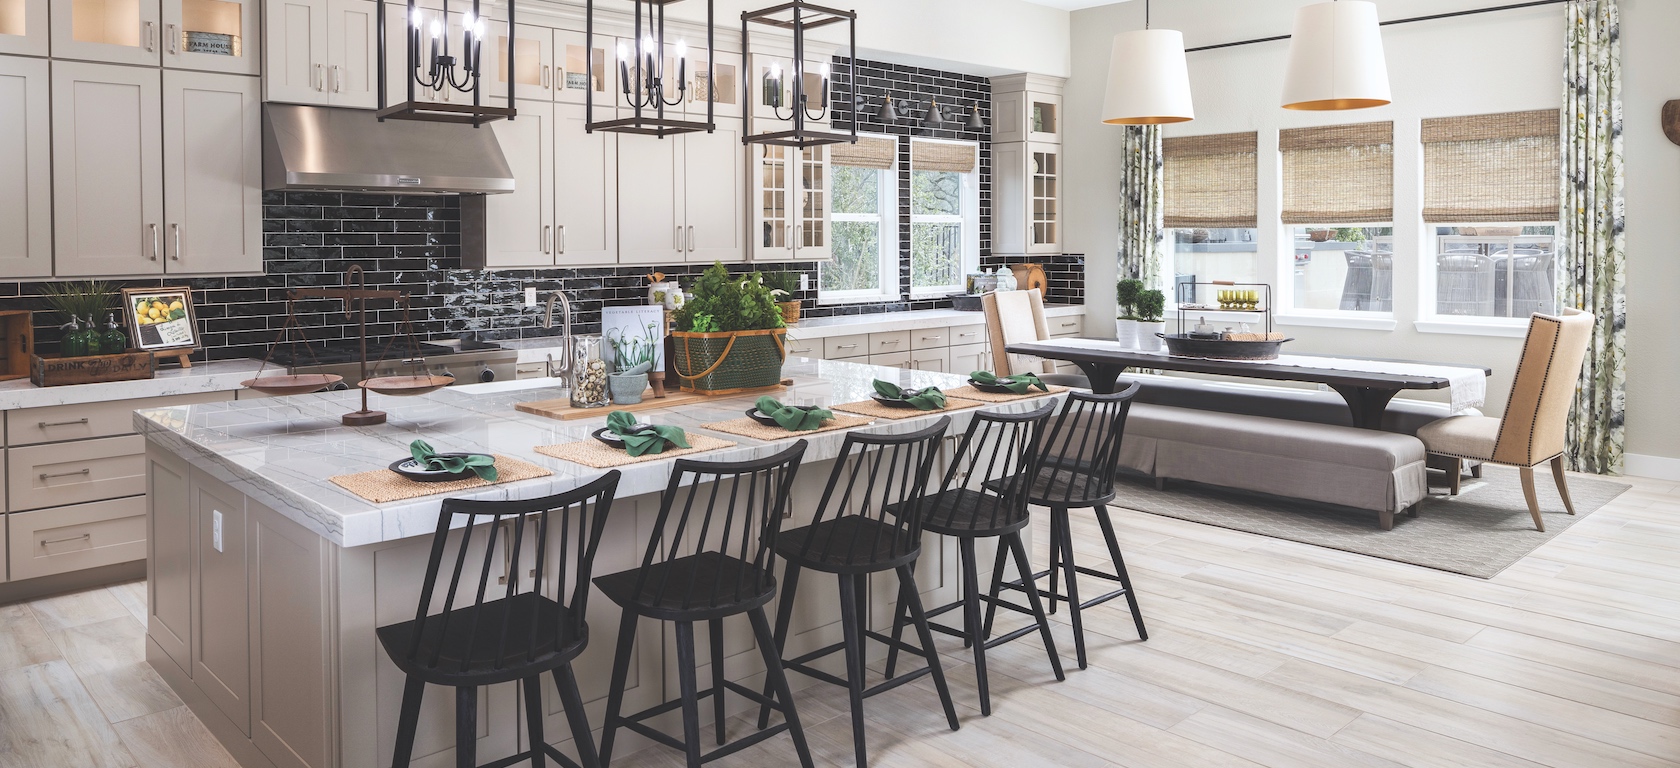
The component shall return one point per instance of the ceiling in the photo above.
(1074, 5)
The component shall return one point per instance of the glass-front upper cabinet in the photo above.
(532, 72)
(1027, 108)
(580, 69)
(212, 35)
(23, 27)
(115, 31)
(790, 196)
(1044, 228)
(727, 85)
(772, 93)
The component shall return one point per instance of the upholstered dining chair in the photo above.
(1532, 430)
(1013, 317)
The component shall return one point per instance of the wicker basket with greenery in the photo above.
(730, 337)
(785, 287)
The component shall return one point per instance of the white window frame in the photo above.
(969, 222)
(1430, 320)
(1289, 314)
(886, 217)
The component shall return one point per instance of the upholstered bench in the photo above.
(1380, 471)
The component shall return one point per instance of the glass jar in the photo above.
(589, 373)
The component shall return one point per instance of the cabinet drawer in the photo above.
(887, 343)
(72, 473)
(839, 347)
(891, 360)
(930, 338)
(76, 537)
(1066, 326)
(968, 334)
(29, 426)
(805, 348)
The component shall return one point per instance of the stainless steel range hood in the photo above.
(325, 148)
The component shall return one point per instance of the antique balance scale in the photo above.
(418, 382)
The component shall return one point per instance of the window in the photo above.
(944, 215)
(1491, 200)
(1209, 191)
(864, 192)
(1338, 199)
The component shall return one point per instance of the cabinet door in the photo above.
(650, 228)
(25, 168)
(107, 170)
(772, 202)
(713, 187)
(297, 50)
(115, 31)
(169, 553)
(586, 203)
(811, 241)
(520, 225)
(212, 35)
(1010, 192)
(965, 358)
(1044, 226)
(212, 175)
(931, 360)
(728, 76)
(23, 27)
(221, 627)
(572, 73)
(533, 63)
(351, 74)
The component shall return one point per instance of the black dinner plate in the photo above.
(613, 441)
(890, 403)
(412, 470)
(758, 416)
(996, 389)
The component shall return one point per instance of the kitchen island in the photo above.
(267, 581)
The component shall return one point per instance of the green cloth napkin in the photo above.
(793, 418)
(926, 399)
(649, 439)
(1018, 383)
(426, 456)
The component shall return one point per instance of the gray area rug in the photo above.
(1477, 533)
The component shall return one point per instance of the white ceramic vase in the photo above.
(1125, 332)
(1147, 341)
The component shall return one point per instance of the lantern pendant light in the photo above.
(796, 17)
(1336, 58)
(430, 65)
(647, 87)
(1148, 78)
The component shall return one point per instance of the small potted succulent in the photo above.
(785, 287)
(633, 358)
(1151, 305)
(1126, 295)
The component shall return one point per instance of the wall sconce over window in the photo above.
(799, 17)
(439, 69)
(644, 87)
(935, 116)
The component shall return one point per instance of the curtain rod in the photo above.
(1432, 17)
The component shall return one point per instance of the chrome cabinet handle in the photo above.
(82, 471)
(45, 424)
(545, 233)
(680, 246)
(691, 238)
(562, 239)
(47, 542)
(151, 36)
(931, 338)
(157, 244)
(177, 230)
(174, 39)
(337, 81)
(845, 346)
(894, 341)
(545, 75)
(1069, 325)
(319, 81)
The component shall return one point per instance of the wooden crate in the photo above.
(18, 328)
(56, 371)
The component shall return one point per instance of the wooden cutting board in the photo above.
(561, 408)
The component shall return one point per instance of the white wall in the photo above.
(1497, 62)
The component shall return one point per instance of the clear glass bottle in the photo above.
(589, 373)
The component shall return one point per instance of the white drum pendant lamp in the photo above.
(1148, 80)
(1336, 58)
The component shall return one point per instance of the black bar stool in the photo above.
(999, 456)
(518, 636)
(727, 514)
(1077, 472)
(853, 535)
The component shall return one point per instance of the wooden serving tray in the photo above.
(56, 371)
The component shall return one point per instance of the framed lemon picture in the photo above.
(161, 319)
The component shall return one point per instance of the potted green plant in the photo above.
(1126, 293)
(785, 287)
(1151, 306)
(633, 357)
(730, 336)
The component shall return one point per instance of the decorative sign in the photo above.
(639, 330)
(161, 319)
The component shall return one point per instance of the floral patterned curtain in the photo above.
(1591, 268)
(1140, 204)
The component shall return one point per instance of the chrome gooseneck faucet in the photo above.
(565, 369)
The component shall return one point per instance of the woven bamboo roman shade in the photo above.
(940, 156)
(1210, 181)
(868, 152)
(1338, 174)
(1491, 167)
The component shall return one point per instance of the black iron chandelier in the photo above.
(644, 85)
(440, 70)
(798, 17)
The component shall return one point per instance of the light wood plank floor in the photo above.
(1262, 652)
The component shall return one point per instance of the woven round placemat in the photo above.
(382, 485)
(968, 392)
(595, 454)
(879, 411)
(746, 427)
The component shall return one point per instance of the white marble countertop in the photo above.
(280, 451)
(885, 322)
(219, 376)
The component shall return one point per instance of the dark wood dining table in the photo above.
(1367, 394)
